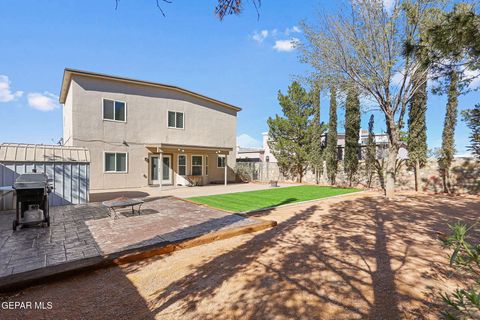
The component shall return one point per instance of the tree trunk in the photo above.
(446, 180)
(391, 169)
(417, 175)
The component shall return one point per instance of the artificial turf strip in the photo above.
(253, 200)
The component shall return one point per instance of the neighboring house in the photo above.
(264, 154)
(250, 154)
(268, 155)
(380, 139)
(142, 133)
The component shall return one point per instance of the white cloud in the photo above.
(259, 36)
(285, 45)
(6, 94)
(43, 101)
(246, 141)
(294, 29)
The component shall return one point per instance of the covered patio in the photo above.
(180, 191)
(184, 165)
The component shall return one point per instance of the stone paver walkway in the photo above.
(85, 231)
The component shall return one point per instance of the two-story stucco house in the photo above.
(143, 133)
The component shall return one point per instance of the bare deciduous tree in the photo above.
(370, 48)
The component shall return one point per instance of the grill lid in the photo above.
(31, 181)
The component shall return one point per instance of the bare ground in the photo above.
(353, 257)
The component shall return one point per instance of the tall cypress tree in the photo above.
(417, 129)
(448, 143)
(331, 154)
(315, 156)
(472, 118)
(352, 131)
(371, 152)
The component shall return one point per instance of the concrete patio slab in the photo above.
(84, 236)
(181, 191)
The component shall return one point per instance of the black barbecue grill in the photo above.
(32, 190)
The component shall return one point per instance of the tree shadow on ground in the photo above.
(363, 259)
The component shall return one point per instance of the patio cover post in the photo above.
(160, 168)
(225, 173)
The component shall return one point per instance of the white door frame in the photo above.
(150, 178)
(181, 179)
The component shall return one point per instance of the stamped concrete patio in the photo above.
(83, 236)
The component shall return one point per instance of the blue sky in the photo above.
(242, 60)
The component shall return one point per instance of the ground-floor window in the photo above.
(206, 165)
(182, 165)
(197, 164)
(220, 161)
(115, 162)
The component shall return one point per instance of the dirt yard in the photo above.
(353, 257)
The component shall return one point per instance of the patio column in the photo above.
(160, 168)
(225, 173)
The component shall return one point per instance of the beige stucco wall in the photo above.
(206, 124)
(67, 121)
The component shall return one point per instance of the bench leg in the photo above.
(113, 213)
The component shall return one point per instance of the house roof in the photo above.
(22, 152)
(68, 73)
(250, 150)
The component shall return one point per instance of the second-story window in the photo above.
(175, 119)
(114, 110)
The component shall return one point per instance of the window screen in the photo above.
(121, 162)
(108, 112)
(179, 118)
(221, 161)
(196, 165)
(182, 165)
(119, 111)
(171, 119)
(109, 161)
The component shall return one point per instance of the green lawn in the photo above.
(252, 200)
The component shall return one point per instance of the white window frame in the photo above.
(224, 161)
(115, 153)
(113, 120)
(168, 125)
(206, 165)
(191, 164)
(186, 164)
